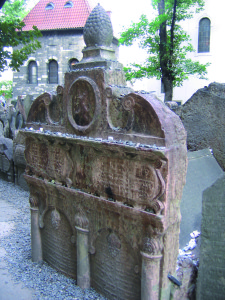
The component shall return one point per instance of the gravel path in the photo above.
(43, 281)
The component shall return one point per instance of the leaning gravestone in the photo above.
(106, 168)
(203, 119)
(211, 277)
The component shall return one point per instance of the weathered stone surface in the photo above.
(187, 275)
(106, 167)
(19, 159)
(211, 275)
(203, 119)
(6, 158)
(203, 170)
(24, 105)
(11, 120)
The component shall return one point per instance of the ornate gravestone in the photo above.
(105, 167)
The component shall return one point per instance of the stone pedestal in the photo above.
(83, 263)
(36, 246)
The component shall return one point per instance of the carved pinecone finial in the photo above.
(98, 28)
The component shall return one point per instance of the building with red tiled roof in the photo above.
(59, 14)
(61, 23)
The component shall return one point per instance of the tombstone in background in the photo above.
(6, 159)
(106, 168)
(211, 276)
(23, 106)
(203, 119)
(203, 170)
(19, 160)
(10, 121)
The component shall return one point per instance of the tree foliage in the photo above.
(6, 89)
(12, 35)
(166, 43)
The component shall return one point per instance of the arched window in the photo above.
(32, 72)
(53, 71)
(72, 63)
(204, 35)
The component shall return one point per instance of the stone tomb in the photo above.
(106, 168)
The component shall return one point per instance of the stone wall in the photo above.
(60, 45)
(203, 119)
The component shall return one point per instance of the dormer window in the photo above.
(49, 6)
(68, 4)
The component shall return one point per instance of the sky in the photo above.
(124, 12)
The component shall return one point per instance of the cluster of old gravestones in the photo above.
(12, 161)
(106, 168)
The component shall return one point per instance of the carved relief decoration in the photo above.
(55, 218)
(120, 113)
(81, 220)
(132, 113)
(34, 201)
(47, 108)
(114, 244)
(153, 245)
(83, 104)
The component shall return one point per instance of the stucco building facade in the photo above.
(212, 19)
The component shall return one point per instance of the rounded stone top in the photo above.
(98, 29)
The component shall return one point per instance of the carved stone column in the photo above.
(150, 273)
(83, 260)
(36, 244)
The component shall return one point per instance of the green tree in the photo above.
(6, 89)
(12, 35)
(166, 43)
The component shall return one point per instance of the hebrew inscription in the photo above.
(45, 161)
(125, 179)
